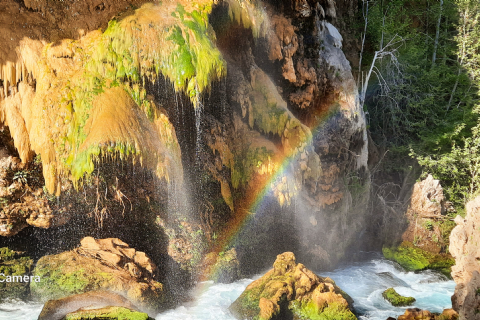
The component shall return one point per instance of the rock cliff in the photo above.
(238, 120)
(466, 271)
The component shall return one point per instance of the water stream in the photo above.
(364, 282)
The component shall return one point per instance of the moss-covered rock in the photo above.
(109, 313)
(13, 264)
(396, 299)
(290, 289)
(413, 258)
(87, 269)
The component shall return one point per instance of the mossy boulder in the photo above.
(12, 264)
(413, 258)
(106, 264)
(290, 290)
(109, 313)
(396, 299)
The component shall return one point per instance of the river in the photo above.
(363, 281)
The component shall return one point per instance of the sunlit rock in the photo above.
(104, 264)
(464, 241)
(290, 289)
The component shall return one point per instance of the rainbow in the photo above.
(255, 197)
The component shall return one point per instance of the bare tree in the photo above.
(389, 50)
(437, 34)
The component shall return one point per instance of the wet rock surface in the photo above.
(90, 305)
(108, 313)
(223, 267)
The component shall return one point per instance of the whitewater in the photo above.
(363, 281)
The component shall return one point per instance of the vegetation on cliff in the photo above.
(82, 84)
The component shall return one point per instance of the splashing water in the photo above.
(16, 310)
(364, 282)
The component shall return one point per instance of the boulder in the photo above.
(108, 313)
(292, 290)
(464, 247)
(427, 198)
(396, 299)
(106, 264)
(73, 306)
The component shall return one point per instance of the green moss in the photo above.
(6, 254)
(249, 14)
(181, 47)
(397, 300)
(247, 305)
(246, 162)
(310, 311)
(58, 282)
(13, 264)
(186, 53)
(109, 313)
(413, 258)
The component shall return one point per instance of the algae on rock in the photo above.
(396, 299)
(413, 258)
(108, 313)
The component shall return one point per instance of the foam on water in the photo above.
(212, 302)
(16, 310)
(364, 282)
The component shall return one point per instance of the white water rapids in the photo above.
(364, 282)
